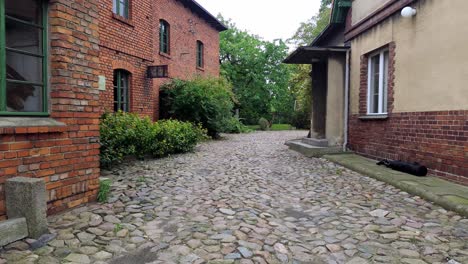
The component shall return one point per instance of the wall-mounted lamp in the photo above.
(408, 12)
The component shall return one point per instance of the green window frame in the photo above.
(121, 8)
(200, 55)
(15, 89)
(164, 31)
(121, 90)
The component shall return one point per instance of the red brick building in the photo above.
(66, 62)
(49, 103)
(179, 37)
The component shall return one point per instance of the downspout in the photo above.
(346, 100)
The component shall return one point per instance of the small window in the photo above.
(23, 53)
(377, 83)
(121, 8)
(164, 36)
(121, 90)
(200, 59)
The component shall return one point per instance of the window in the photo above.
(121, 8)
(200, 59)
(121, 90)
(377, 83)
(164, 36)
(23, 58)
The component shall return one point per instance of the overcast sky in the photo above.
(270, 19)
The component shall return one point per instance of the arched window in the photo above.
(121, 90)
(164, 31)
(23, 58)
(200, 56)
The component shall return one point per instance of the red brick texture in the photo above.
(66, 157)
(438, 139)
(133, 45)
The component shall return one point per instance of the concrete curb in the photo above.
(369, 168)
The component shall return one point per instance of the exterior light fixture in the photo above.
(408, 12)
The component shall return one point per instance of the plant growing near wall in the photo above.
(126, 134)
(104, 189)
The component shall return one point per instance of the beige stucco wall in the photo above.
(431, 64)
(335, 100)
(363, 8)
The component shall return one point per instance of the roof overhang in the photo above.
(309, 55)
(203, 13)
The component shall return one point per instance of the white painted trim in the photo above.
(369, 85)
(380, 102)
(381, 80)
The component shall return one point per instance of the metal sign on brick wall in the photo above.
(159, 71)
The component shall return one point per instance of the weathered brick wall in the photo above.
(133, 45)
(66, 157)
(128, 44)
(436, 139)
(185, 29)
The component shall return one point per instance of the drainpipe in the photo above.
(346, 100)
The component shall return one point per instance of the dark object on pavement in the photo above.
(411, 168)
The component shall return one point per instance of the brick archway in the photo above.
(124, 65)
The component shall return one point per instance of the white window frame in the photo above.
(382, 90)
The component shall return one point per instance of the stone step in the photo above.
(312, 151)
(316, 142)
(12, 230)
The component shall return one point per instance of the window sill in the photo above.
(165, 55)
(123, 20)
(374, 117)
(200, 68)
(30, 125)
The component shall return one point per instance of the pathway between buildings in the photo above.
(248, 199)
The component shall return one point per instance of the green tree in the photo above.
(254, 67)
(300, 83)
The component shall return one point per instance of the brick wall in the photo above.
(66, 157)
(133, 45)
(128, 44)
(437, 139)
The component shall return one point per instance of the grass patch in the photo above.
(274, 127)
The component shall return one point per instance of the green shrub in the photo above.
(201, 101)
(172, 137)
(126, 134)
(264, 124)
(235, 126)
(301, 120)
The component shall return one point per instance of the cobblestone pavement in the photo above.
(248, 199)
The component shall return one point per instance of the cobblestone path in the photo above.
(248, 199)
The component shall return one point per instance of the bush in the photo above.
(235, 126)
(202, 101)
(301, 120)
(125, 134)
(264, 124)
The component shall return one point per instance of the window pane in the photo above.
(121, 88)
(114, 6)
(23, 37)
(23, 67)
(123, 8)
(27, 10)
(374, 84)
(24, 98)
